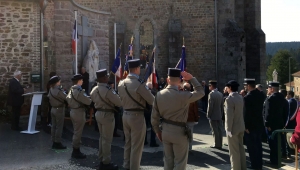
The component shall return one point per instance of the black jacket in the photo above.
(85, 84)
(206, 91)
(276, 115)
(253, 108)
(15, 92)
(293, 105)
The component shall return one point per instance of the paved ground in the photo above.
(33, 152)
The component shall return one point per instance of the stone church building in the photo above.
(223, 38)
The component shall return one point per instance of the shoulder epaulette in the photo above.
(108, 87)
(141, 81)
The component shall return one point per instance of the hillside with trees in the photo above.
(273, 47)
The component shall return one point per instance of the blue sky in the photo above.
(280, 20)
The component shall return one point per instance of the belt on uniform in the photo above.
(181, 124)
(106, 110)
(128, 110)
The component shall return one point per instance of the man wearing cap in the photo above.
(56, 98)
(234, 126)
(275, 118)
(214, 113)
(253, 107)
(15, 99)
(134, 94)
(105, 99)
(174, 133)
(77, 100)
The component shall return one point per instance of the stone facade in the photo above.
(19, 39)
(236, 32)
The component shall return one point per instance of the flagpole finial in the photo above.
(131, 39)
(154, 48)
(183, 41)
(120, 45)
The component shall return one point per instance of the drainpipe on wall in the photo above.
(216, 32)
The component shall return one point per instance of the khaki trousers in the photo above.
(135, 130)
(78, 120)
(58, 115)
(106, 125)
(176, 146)
(237, 152)
(216, 127)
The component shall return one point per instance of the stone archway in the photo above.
(137, 37)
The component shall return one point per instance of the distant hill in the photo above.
(273, 47)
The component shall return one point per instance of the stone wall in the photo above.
(19, 39)
(197, 26)
(59, 21)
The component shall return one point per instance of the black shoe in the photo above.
(250, 167)
(77, 154)
(216, 147)
(154, 145)
(109, 166)
(58, 146)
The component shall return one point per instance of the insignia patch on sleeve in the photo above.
(146, 87)
(114, 92)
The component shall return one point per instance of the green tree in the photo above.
(280, 62)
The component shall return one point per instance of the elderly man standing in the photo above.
(234, 126)
(15, 99)
(175, 133)
(214, 113)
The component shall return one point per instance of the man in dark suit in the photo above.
(253, 108)
(204, 99)
(15, 99)
(86, 81)
(276, 107)
(291, 120)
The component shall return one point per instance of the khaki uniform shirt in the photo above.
(172, 104)
(215, 105)
(107, 94)
(137, 89)
(81, 99)
(56, 96)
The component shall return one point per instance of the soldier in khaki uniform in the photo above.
(56, 98)
(174, 118)
(77, 100)
(105, 99)
(234, 126)
(214, 113)
(134, 94)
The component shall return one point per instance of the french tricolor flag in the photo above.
(74, 40)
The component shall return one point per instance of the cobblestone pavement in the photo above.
(33, 152)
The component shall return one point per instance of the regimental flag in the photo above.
(74, 40)
(116, 68)
(150, 74)
(128, 57)
(182, 62)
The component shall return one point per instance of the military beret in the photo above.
(54, 80)
(273, 84)
(232, 83)
(110, 82)
(213, 82)
(101, 73)
(77, 77)
(249, 81)
(174, 72)
(133, 63)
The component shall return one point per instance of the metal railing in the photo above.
(279, 143)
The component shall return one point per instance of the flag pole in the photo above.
(115, 37)
(76, 64)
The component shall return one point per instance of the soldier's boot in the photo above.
(58, 145)
(77, 154)
(109, 166)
